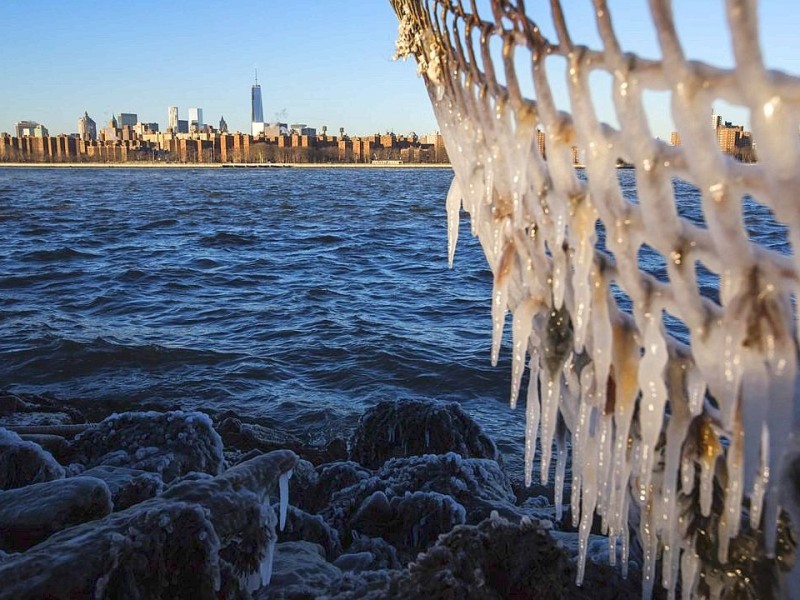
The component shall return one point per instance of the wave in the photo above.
(225, 238)
(64, 253)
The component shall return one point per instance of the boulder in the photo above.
(127, 486)
(170, 444)
(31, 514)
(414, 428)
(299, 571)
(24, 463)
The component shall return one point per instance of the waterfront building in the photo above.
(30, 128)
(256, 109)
(183, 126)
(195, 119)
(172, 116)
(87, 128)
(128, 119)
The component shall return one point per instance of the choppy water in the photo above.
(299, 296)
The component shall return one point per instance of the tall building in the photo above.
(223, 126)
(256, 109)
(195, 119)
(128, 119)
(87, 128)
(172, 119)
(30, 128)
(716, 120)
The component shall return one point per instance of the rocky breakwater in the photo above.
(188, 505)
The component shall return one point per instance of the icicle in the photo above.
(730, 518)
(579, 437)
(760, 483)
(654, 394)
(696, 390)
(690, 568)
(589, 498)
(453, 205)
(520, 333)
(283, 483)
(649, 538)
(583, 228)
(502, 277)
(710, 449)
(560, 270)
(550, 397)
(532, 413)
(561, 465)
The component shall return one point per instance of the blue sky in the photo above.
(323, 62)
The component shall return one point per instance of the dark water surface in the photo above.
(298, 296)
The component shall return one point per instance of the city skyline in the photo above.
(319, 63)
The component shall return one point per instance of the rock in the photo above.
(25, 463)
(302, 526)
(333, 477)
(32, 410)
(199, 539)
(127, 486)
(303, 486)
(31, 514)
(384, 555)
(171, 444)
(493, 560)
(414, 428)
(299, 571)
(252, 436)
(479, 485)
(410, 522)
(54, 444)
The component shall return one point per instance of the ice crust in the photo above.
(656, 427)
(24, 463)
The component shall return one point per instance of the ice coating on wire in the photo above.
(651, 422)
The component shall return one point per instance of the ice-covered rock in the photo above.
(29, 410)
(384, 555)
(299, 571)
(416, 427)
(333, 477)
(410, 522)
(302, 526)
(493, 560)
(33, 513)
(198, 539)
(24, 463)
(170, 443)
(56, 445)
(252, 436)
(127, 486)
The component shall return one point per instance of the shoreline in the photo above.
(151, 165)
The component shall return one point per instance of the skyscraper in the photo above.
(256, 109)
(128, 119)
(223, 126)
(87, 128)
(195, 119)
(172, 111)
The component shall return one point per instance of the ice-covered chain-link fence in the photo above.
(678, 438)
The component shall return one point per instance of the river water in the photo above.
(298, 297)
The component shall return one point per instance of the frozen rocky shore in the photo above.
(414, 504)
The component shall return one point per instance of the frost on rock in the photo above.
(299, 571)
(374, 553)
(477, 485)
(127, 486)
(416, 427)
(24, 463)
(410, 522)
(198, 539)
(302, 526)
(332, 477)
(31, 514)
(171, 443)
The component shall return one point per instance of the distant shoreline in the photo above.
(164, 165)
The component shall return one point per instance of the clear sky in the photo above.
(320, 62)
